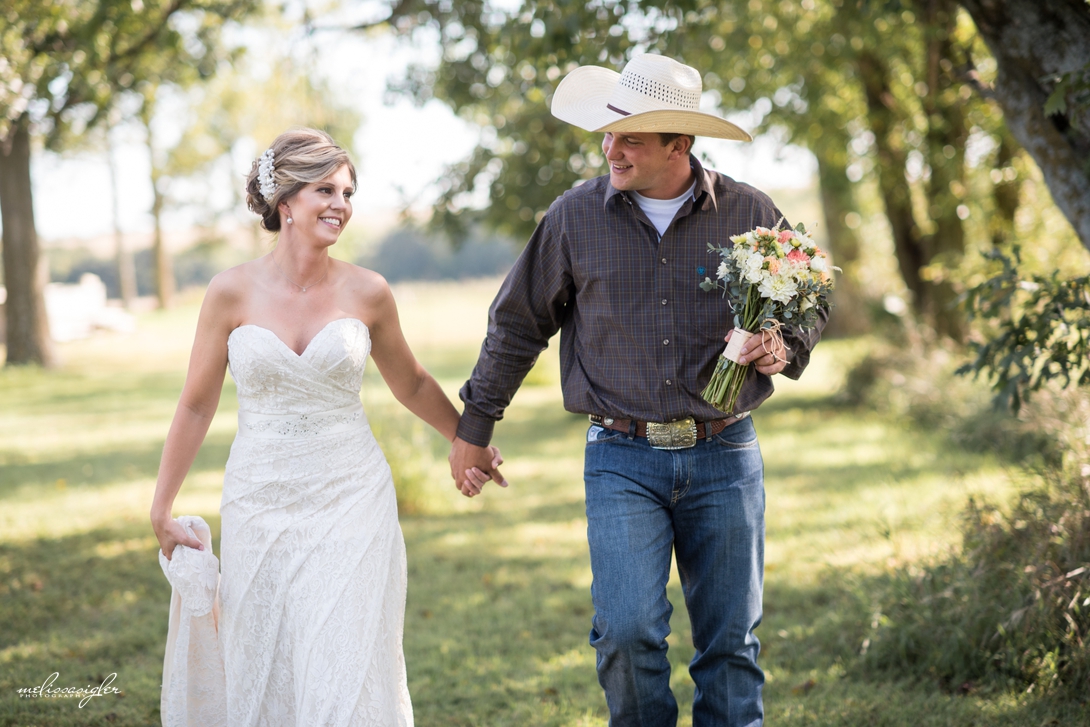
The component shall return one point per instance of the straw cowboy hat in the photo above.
(652, 93)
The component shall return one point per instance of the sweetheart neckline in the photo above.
(309, 343)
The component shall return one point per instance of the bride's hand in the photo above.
(170, 533)
(479, 478)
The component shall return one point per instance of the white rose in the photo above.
(819, 265)
(751, 267)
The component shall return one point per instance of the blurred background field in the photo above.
(499, 605)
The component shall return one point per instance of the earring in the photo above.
(290, 220)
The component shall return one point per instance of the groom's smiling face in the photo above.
(642, 163)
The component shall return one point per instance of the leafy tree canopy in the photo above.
(62, 61)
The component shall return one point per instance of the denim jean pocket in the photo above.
(740, 435)
(598, 434)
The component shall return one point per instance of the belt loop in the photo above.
(631, 428)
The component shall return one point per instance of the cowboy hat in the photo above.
(652, 93)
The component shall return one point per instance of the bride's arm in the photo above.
(196, 407)
(409, 381)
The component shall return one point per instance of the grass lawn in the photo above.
(499, 604)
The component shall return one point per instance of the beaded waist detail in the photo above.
(293, 426)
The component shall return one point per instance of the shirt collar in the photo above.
(701, 192)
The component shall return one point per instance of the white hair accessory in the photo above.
(265, 175)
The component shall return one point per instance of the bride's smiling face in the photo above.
(321, 209)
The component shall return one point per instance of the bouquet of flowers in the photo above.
(776, 277)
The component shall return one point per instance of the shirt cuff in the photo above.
(796, 365)
(476, 429)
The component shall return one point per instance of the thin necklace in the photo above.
(302, 287)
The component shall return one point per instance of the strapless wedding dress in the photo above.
(312, 589)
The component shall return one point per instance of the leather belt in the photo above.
(689, 430)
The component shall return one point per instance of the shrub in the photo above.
(1012, 607)
(918, 382)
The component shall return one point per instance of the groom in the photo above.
(615, 266)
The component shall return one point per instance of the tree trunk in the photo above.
(850, 316)
(1033, 40)
(945, 149)
(164, 267)
(27, 326)
(892, 183)
(1006, 192)
(126, 268)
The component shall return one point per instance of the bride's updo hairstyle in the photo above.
(298, 157)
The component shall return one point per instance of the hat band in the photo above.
(611, 107)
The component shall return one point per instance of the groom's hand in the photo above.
(472, 466)
(765, 351)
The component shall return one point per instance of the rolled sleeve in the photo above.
(476, 428)
(800, 342)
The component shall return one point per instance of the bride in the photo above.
(312, 589)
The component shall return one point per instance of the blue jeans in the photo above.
(706, 504)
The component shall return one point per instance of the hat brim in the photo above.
(582, 100)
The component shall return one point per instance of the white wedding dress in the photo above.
(312, 589)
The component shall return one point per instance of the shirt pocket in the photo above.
(709, 317)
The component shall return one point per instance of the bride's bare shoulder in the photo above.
(365, 284)
(368, 296)
(228, 290)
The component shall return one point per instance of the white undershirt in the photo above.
(661, 211)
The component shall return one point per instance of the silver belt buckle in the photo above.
(672, 435)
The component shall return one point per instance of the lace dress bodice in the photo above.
(273, 379)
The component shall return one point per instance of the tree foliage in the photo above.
(498, 71)
(62, 63)
(879, 92)
(1038, 331)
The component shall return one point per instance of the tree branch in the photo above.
(150, 36)
(968, 72)
(400, 9)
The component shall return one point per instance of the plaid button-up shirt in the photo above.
(638, 337)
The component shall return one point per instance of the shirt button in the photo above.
(664, 261)
(669, 383)
(664, 301)
(666, 342)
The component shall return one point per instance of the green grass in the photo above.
(498, 605)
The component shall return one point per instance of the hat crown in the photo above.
(652, 94)
(649, 82)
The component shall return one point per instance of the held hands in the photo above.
(170, 534)
(472, 466)
(765, 351)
